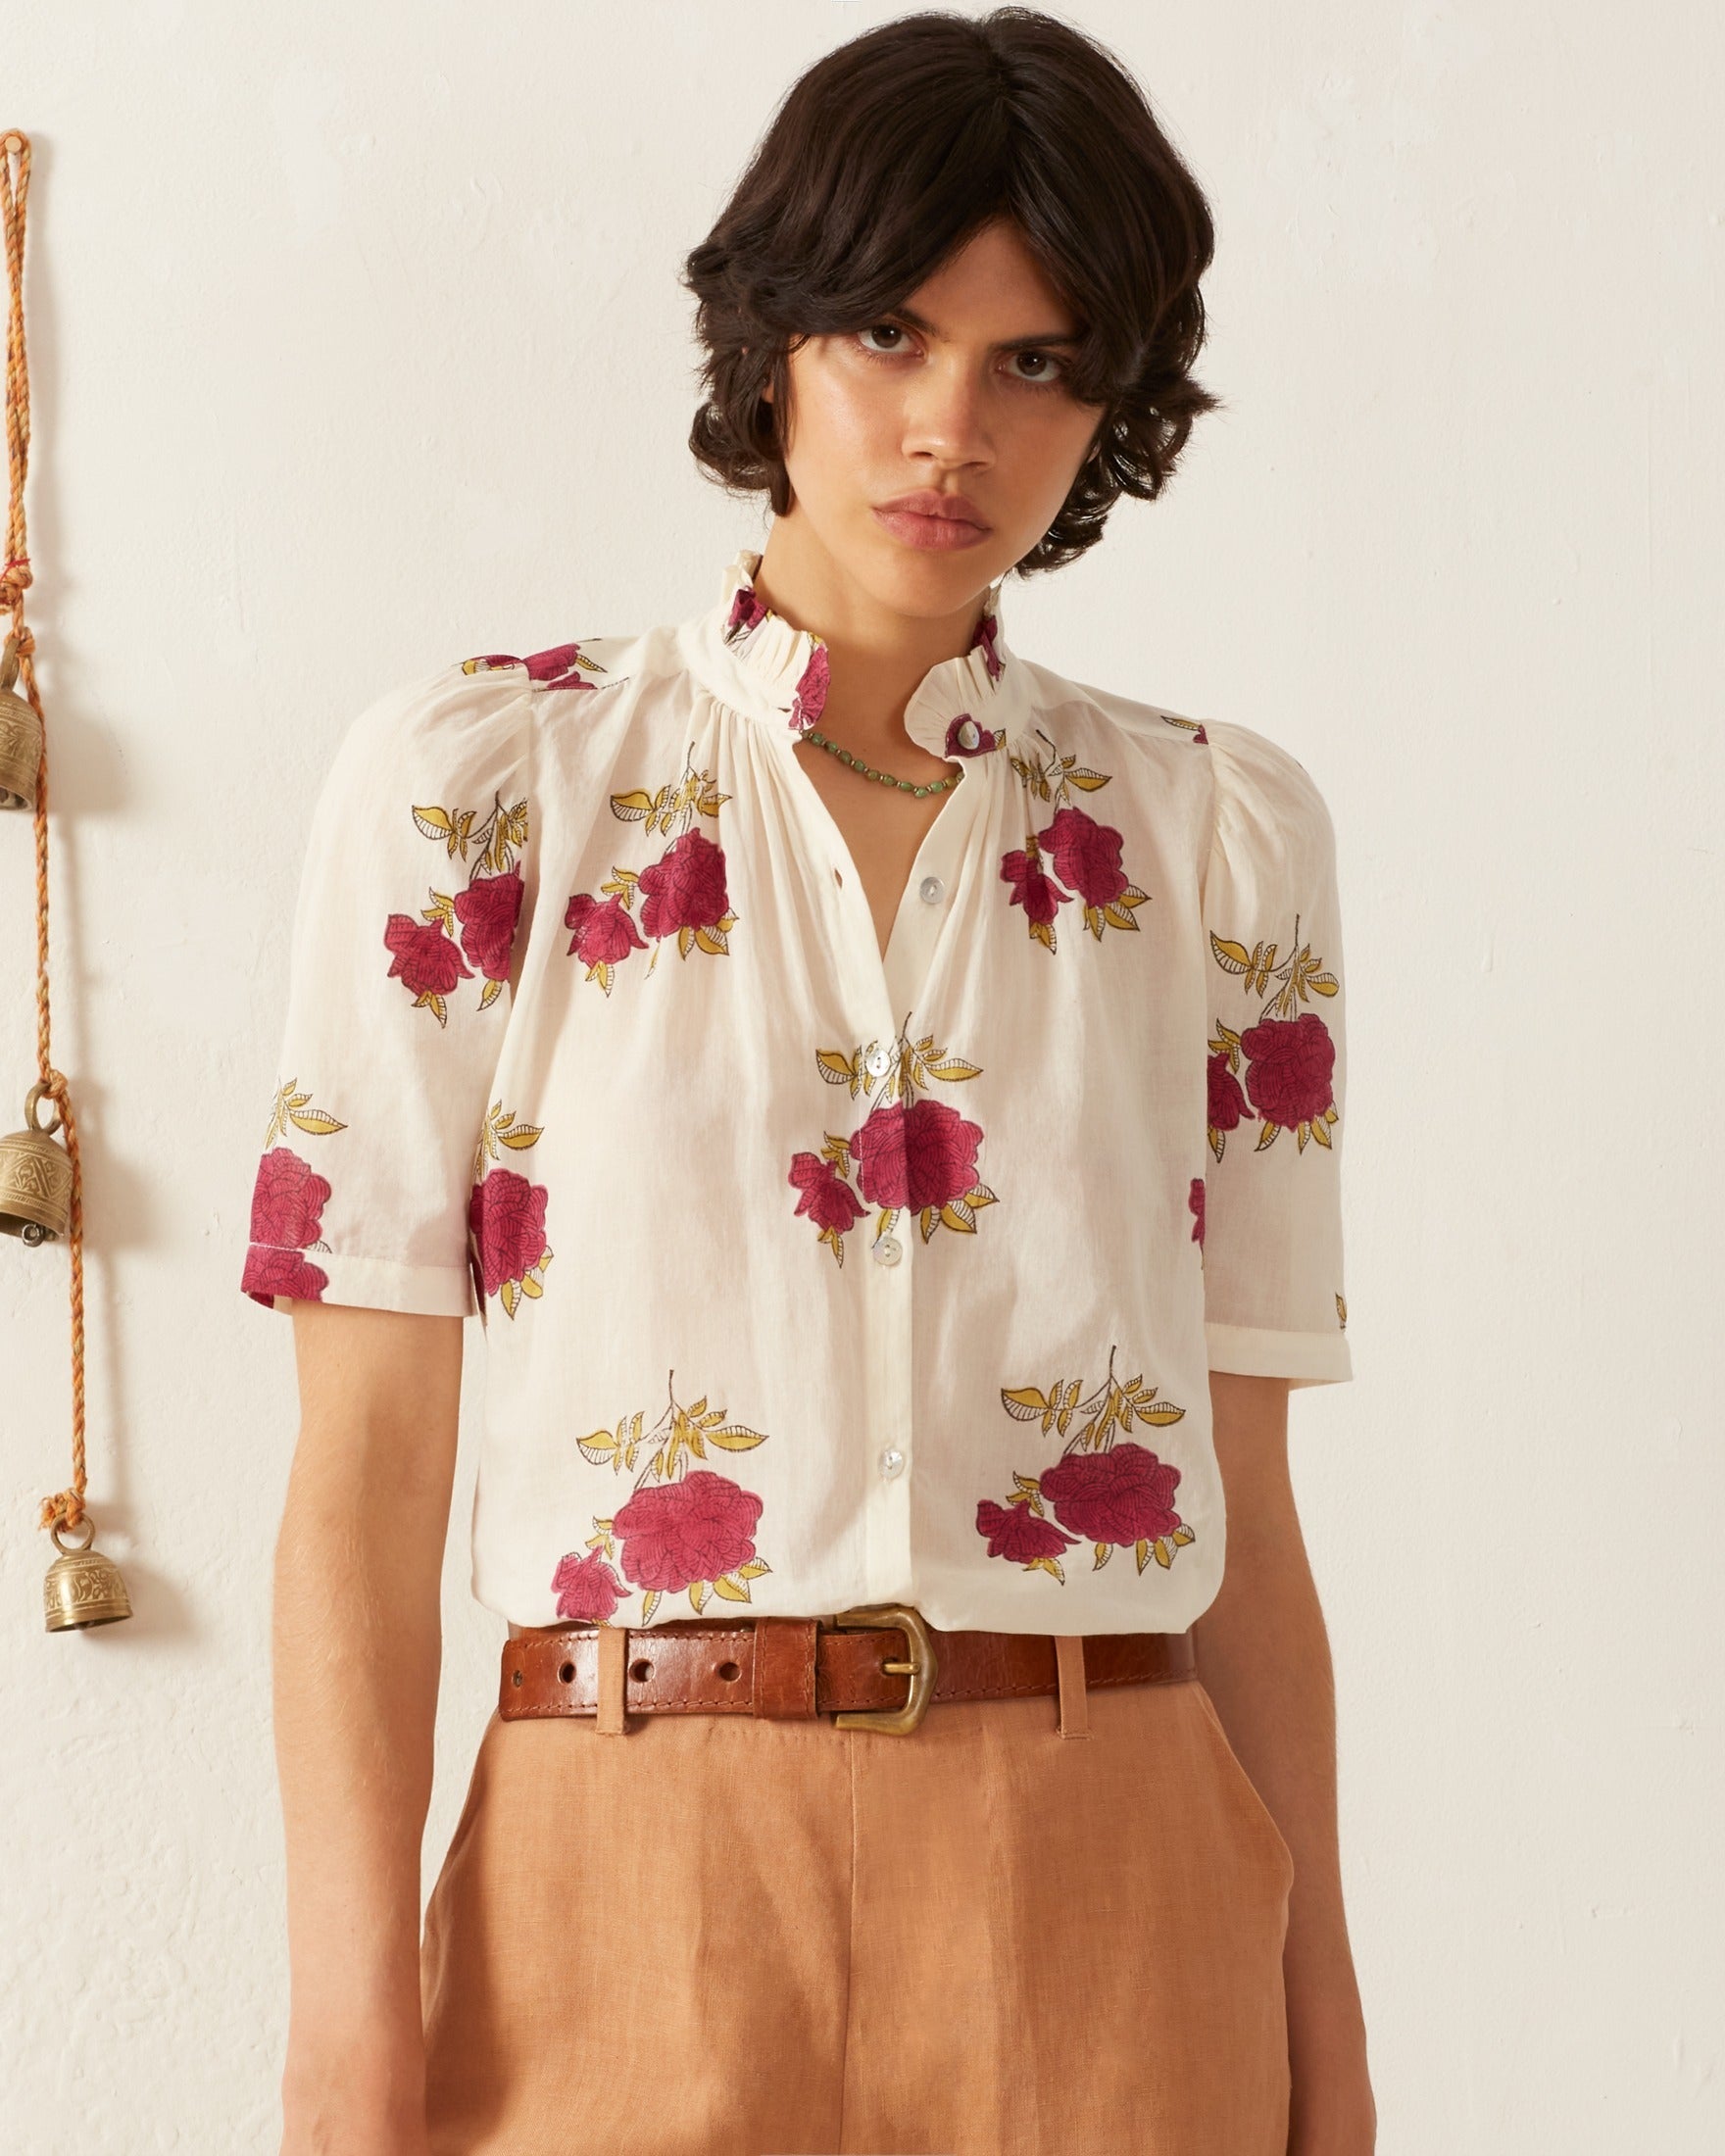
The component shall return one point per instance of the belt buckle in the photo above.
(921, 1669)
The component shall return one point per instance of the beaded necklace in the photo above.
(886, 778)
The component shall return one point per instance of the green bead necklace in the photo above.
(886, 778)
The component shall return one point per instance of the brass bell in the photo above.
(82, 1587)
(35, 1178)
(21, 737)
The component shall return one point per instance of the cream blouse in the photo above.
(810, 1279)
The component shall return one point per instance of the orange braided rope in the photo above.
(65, 1507)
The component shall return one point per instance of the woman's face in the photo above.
(960, 392)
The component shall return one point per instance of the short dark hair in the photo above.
(890, 152)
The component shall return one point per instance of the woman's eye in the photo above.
(880, 328)
(1049, 368)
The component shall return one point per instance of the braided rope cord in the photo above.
(66, 1508)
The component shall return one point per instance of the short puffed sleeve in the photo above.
(1270, 1208)
(414, 901)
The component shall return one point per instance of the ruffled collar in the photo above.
(754, 661)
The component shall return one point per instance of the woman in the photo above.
(883, 1099)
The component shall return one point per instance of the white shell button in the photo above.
(931, 888)
(891, 1460)
(887, 1248)
(879, 1061)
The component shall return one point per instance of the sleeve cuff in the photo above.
(271, 1273)
(1303, 1359)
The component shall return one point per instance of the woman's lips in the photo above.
(937, 534)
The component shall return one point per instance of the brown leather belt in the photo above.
(879, 1667)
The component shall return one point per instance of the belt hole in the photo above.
(640, 1671)
(567, 1673)
(516, 1680)
(730, 1672)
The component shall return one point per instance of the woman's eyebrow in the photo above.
(1007, 344)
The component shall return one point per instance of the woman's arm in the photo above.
(1264, 1657)
(356, 1648)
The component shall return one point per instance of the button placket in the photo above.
(927, 897)
(886, 1508)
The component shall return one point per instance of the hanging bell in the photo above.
(21, 737)
(35, 1178)
(82, 1587)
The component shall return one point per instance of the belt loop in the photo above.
(786, 1660)
(614, 1655)
(1074, 1691)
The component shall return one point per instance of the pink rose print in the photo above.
(1033, 888)
(921, 1156)
(1013, 1531)
(1289, 1066)
(425, 960)
(682, 1527)
(1227, 1104)
(1124, 1495)
(828, 1199)
(270, 1273)
(1289, 1054)
(506, 1225)
(587, 1590)
(684, 888)
(907, 1151)
(1104, 1488)
(488, 911)
(1195, 1205)
(987, 630)
(682, 893)
(697, 1529)
(1086, 853)
(560, 666)
(809, 699)
(1227, 1108)
(485, 913)
(603, 935)
(288, 1197)
(747, 612)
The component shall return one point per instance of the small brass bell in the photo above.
(82, 1587)
(35, 1178)
(21, 737)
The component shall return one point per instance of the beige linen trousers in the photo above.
(729, 1935)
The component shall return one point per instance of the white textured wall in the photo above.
(358, 342)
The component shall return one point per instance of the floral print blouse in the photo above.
(809, 1278)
